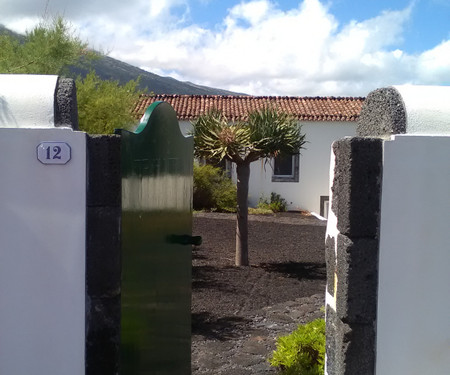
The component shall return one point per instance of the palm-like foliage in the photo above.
(266, 133)
(215, 138)
(272, 133)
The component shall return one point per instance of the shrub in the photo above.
(213, 190)
(276, 203)
(303, 351)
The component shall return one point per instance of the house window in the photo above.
(286, 168)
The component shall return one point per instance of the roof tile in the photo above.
(235, 108)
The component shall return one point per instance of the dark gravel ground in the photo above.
(287, 263)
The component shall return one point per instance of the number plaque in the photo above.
(53, 152)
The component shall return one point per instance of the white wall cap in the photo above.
(427, 109)
(27, 101)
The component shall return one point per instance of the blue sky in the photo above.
(264, 47)
(428, 25)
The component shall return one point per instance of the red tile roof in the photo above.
(189, 107)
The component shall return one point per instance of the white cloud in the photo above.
(263, 50)
(253, 12)
(258, 48)
(433, 66)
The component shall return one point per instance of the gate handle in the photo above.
(184, 239)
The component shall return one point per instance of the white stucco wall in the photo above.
(413, 329)
(427, 109)
(27, 101)
(314, 168)
(42, 233)
(42, 254)
(185, 127)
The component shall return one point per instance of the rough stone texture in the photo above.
(383, 114)
(103, 256)
(103, 267)
(65, 107)
(330, 258)
(247, 351)
(357, 185)
(102, 340)
(356, 203)
(357, 275)
(104, 176)
(350, 348)
(335, 346)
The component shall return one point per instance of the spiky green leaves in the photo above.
(266, 133)
(273, 132)
(215, 138)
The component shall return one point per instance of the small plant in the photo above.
(303, 351)
(213, 190)
(276, 203)
(259, 211)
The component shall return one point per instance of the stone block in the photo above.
(104, 175)
(350, 347)
(356, 188)
(102, 336)
(335, 331)
(103, 266)
(65, 106)
(383, 114)
(357, 279)
(359, 350)
(330, 258)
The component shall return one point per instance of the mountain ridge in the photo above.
(108, 68)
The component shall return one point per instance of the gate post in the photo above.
(387, 237)
(352, 256)
(42, 231)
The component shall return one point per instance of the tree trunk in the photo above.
(243, 176)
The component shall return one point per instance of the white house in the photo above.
(302, 180)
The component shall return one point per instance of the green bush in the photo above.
(213, 190)
(303, 351)
(276, 203)
(105, 105)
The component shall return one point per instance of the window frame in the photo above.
(294, 177)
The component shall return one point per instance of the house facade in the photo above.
(302, 180)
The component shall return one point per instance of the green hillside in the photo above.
(108, 68)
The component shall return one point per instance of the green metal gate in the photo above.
(157, 165)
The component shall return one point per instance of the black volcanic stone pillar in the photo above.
(65, 105)
(352, 247)
(383, 114)
(103, 266)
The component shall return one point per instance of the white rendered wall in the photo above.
(427, 109)
(314, 168)
(413, 326)
(185, 127)
(27, 101)
(42, 255)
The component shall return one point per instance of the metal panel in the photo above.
(157, 165)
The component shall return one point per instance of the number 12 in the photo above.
(56, 152)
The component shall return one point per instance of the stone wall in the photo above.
(386, 245)
(352, 256)
(103, 267)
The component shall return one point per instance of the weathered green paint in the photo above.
(157, 165)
